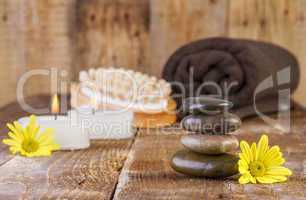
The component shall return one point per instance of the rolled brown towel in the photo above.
(224, 61)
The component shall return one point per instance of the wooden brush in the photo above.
(126, 89)
(141, 119)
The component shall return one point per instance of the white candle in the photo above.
(67, 134)
(106, 124)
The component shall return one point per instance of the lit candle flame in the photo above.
(55, 105)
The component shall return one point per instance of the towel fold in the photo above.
(240, 68)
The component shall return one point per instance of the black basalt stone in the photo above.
(206, 105)
(195, 164)
(211, 124)
(210, 144)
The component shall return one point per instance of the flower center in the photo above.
(30, 146)
(257, 169)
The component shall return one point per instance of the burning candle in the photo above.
(55, 107)
(68, 134)
(105, 124)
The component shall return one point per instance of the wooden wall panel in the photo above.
(34, 34)
(278, 21)
(112, 33)
(10, 49)
(49, 26)
(300, 48)
(174, 23)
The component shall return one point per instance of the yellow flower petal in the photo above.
(273, 157)
(10, 142)
(279, 171)
(14, 150)
(245, 178)
(46, 137)
(277, 179)
(15, 137)
(265, 180)
(42, 152)
(243, 157)
(276, 162)
(271, 179)
(261, 164)
(243, 163)
(11, 128)
(254, 151)
(246, 151)
(262, 147)
(273, 151)
(243, 167)
(32, 127)
(18, 127)
(32, 120)
(28, 142)
(252, 179)
(50, 146)
(32, 131)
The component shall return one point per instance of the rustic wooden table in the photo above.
(139, 168)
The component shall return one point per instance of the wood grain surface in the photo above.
(148, 175)
(139, 168)
(84, 174)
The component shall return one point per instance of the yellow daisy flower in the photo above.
(28, 141)
(260, 163)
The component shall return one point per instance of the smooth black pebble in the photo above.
(211, 124)
(205, 105)
(195, 164)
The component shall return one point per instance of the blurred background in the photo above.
(139, 34)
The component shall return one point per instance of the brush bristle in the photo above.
(127, 85)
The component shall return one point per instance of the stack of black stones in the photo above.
(209, 144)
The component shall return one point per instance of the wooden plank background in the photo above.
(140, 34)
